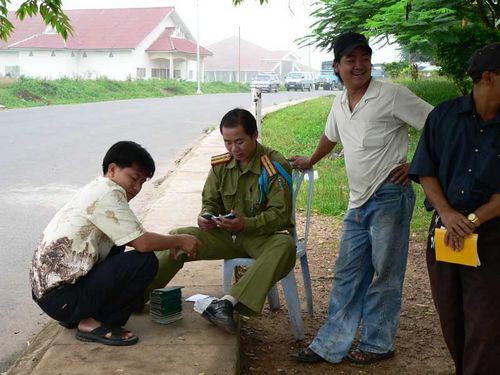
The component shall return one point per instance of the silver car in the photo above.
(266, 81)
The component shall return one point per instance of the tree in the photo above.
(50, 10)
(424, 27)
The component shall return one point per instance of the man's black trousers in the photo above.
(468, 303)
(109, 293)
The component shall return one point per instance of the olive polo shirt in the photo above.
(374, 134)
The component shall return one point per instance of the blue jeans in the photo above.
(369, 275)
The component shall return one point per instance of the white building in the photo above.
(233, 57)
(132, 43)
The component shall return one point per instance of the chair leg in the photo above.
(228, 275)
(273, 298)
(307, 283)
(292, 300)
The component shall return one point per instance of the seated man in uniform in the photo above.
(253, 183)
(80, 274)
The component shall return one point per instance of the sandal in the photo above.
(360, 357)
(99, 335)
(306, 355)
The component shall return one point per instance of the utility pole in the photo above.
(198, 91)
(239, 53)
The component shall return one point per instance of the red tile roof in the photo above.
(165, 42)
(93, 29)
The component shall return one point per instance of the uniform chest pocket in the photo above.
(374, 134)
(228, 189)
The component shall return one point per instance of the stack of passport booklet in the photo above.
(166, 305)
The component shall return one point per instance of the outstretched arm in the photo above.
(325, 146)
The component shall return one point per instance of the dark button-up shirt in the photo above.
(462, 151)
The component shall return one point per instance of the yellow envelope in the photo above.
(468, 256)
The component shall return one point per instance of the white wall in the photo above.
(8, 58)
(99, 64)
(41, 64)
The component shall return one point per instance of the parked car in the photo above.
(299, 81)
(328, 81)
(266, 81)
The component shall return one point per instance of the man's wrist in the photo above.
(472, 217)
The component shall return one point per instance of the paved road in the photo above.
(47, 153)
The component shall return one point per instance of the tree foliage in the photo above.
(420, 27)
(50, 11)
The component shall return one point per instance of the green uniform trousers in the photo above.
(274, 255)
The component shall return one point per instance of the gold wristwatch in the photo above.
(474, 219)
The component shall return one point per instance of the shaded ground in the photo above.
(267, 342)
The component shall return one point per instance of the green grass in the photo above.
(27, 92)
(297, 129)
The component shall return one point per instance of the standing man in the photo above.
(251, 184)
(458, 164)
(370, 119)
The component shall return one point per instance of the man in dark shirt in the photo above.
(458, 164)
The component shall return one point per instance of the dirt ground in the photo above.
(267, 342)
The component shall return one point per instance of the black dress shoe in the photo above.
(220, 313)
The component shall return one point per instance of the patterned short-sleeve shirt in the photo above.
(81, 234)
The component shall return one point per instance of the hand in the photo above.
(399, 175)
(205, 224)
(231, 225)
(455, 242)
(457, 228)
(189, 244)
(300, 162)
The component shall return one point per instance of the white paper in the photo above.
(201, 304)
(196, 297)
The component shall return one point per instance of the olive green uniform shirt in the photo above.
(231, 187)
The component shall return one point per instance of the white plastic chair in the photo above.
(288, 283)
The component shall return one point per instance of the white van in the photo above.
(299, 81)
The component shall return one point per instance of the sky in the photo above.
(273, 26)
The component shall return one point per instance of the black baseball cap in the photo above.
(485, 59)
(347, 42)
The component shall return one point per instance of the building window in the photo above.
(141, 73)
(31, 53)
(12, 71)
(72, 53)
(190, 74)
(84, 54)
(177, 73)
(161, 73)
(53, 54)
(111, 54)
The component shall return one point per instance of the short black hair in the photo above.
(126, 154)
(237, 117)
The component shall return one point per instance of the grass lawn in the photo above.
(297, 129)
(27, 92)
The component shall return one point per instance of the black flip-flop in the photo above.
(367, 357)
(99, 335)
(307, 355)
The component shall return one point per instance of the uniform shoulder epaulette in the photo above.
(221, 159)
(268, 165)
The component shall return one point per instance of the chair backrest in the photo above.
(298, 178)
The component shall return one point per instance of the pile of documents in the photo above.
(166, 305)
